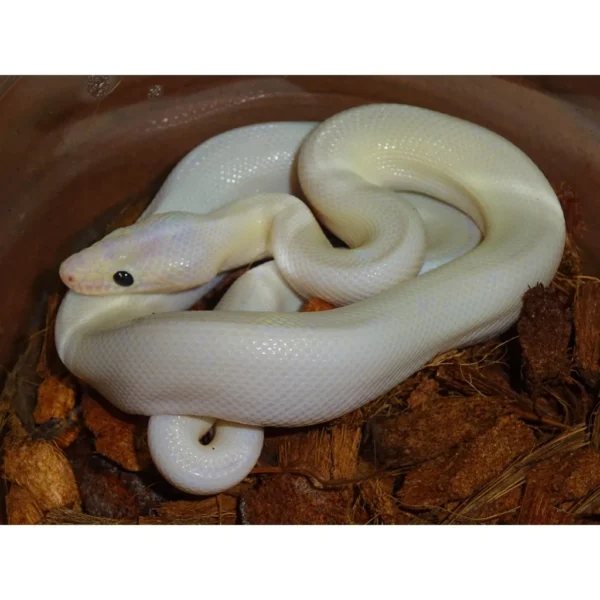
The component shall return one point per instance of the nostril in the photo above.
(66, 274)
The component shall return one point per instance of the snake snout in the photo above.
(71, 274)
(85, 277)
(66, 274)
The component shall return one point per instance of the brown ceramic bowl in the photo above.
(74, 148)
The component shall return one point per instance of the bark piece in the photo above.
(119, 437)
(218, 510)
(42, 469)
(587, 331)
(544, 328)
(459, 473)
(316, 305)
(55, 399)
(379, 498)
(21, 508)
(292, 500)
(434, 429)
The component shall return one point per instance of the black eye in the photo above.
(123, 278)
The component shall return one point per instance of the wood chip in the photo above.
(42, 469)
(55, 399)
(109, 492)
(65, 516)
(537, 508)
(586, 311)
(119, 436)
(218, 510)
(21, 507)
(431, 430)
(485, 381)
(572, 206)
(316, 305)
(67, 436)
(583, 477)
(327, 455)
(457, 474)
(489, 454)
(291, 499)
(380, 500)
(345, 443)
(424, 393)
(426, 486)
(545, 327)
(557, 483)
(309, 452)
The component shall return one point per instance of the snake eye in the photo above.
(123, 278)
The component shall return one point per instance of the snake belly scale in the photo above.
(405, 289)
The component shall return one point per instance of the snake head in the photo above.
(155, 255)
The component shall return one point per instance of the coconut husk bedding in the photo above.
(505, 432)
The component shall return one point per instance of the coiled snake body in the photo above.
(255, 361)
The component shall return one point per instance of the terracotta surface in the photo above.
(73, 149)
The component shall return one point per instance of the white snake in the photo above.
(257, 362)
